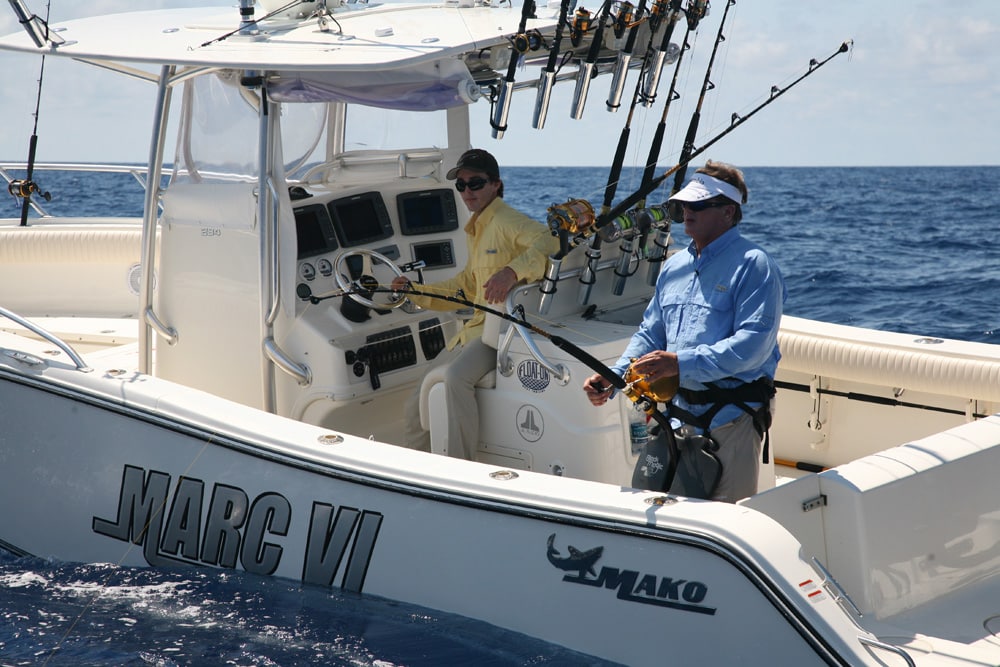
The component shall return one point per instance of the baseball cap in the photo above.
(476, 160)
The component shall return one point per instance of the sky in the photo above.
(919, 87)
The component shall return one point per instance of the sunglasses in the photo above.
(473, 184)
(676, 208)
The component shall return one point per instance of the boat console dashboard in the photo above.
(403, 224)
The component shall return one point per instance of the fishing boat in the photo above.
(219, 382)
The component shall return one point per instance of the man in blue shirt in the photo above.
(713, 322)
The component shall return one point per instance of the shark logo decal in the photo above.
(581, 562)
(631, 585)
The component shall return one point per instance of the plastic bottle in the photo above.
(638, 427)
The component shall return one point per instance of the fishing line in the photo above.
(157, 511)
(736, 121)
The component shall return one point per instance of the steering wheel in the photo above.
(363, 289)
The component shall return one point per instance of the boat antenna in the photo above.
(735, 121)
(520, 43)
(248, 25)
(38, 30)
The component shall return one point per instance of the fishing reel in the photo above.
(623, 19)
(662, 390)
(577, 218)
(695, 11)
(527, 41)
(24, 189)
(581, 24)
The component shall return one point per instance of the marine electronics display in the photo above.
(427, 211)
(360, 218)
(314, 231)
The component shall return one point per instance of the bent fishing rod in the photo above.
(636, 389)
(735, 121)
(630, 389)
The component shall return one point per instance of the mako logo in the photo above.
(630, 585)
(223, 527)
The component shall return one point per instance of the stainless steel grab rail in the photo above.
(52, 338)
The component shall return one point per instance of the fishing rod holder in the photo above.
(35, 26)
(549, 284)
(588, 274)
(662, 58)
(502, 111)
(546, 81)
(583, 77)
(661, 242)
(617, 87)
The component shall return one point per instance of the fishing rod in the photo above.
(640, 219)
(636, 388)
(38, 30)
(694, 13)
(735, 121)
(547, 78)
(707, 85)
(520, 43)
(696, 10)
(589, 272)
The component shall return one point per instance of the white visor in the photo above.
(703, 186)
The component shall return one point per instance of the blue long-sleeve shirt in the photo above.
(719, 312)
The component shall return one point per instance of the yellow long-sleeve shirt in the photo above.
(496, 237)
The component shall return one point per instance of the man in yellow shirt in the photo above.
(505, 247)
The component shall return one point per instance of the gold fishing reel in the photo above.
(658, 391)
(576, 217)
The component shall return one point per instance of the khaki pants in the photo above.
(460, 370)
(740, 454)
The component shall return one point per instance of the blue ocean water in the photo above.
(897, 248)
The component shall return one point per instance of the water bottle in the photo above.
(638, 427)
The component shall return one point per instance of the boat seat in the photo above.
(433, 406)
(941, 489)
(88, 270)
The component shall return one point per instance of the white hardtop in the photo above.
(376, 37)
